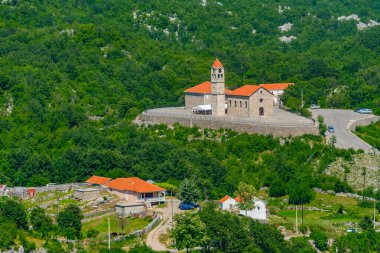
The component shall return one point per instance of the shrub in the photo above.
(320, 239)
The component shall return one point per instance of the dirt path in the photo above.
(152, 239)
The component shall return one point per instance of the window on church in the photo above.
(261, 100)
(221, 75)
(235, 103)
(230, 103)
(218, 75)
(261, 92)
(241, 105)
(220, 70)
(246, 105)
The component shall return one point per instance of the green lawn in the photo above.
(101, 225)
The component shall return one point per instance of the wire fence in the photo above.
(225, 120)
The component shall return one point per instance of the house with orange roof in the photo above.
(134, 189)
(246, 101)
(277, 89)
(97, 181)
(259, 210)
(227, 203)
(250, 101)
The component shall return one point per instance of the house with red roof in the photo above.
(31, 192)
(259, 210)
(277, 89)
(250, 101)
(227, 203)
(97, 181)
(246, 101)
(134, 189)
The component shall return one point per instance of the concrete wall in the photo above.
(87, 194)
(363, 122)
(276, 130)
(194, 99)
(129, 209)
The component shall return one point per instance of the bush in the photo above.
(322, 125)
(303, 229)
(320, 239)
(366, 223)
(305, 112)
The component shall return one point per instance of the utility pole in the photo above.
(172, 212)
(374, 214)
(302, 98)
(109, 235)
(57, 206)
(297, 220)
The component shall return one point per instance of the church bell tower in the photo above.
(217, 89)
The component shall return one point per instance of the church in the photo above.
(246, 101)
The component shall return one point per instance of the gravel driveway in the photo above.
(153, 236)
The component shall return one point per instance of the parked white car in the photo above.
(365, 111)
(314, 106)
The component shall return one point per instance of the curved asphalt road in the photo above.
(340, 119)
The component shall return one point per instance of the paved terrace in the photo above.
(279, 118)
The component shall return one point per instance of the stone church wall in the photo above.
(194, 99)
(273, 129)
(255, 104)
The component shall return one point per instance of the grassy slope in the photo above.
(370, 134)
(326, 218)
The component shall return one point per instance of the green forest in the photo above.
(65, 61)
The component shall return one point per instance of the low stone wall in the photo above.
(249, 127)
(363, 122)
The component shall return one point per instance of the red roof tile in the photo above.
(245, 91)
(98, 180)
(275, 86)
(203, 88)
(217, 64)
(237, 199)
(134, 184)
(222, 200)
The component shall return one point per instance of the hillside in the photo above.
(65, 61)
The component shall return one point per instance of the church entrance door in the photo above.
(261, 111)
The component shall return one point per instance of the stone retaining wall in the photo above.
(273, 129)
(363, 122)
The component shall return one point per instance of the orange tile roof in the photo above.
(217, 64)
(237, 199)
(222, 200)
(134, 184)
(98, 180)
(203, 88)
(245, 91)
(275, 86)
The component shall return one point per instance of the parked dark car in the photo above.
(188, 206)
(331, 129)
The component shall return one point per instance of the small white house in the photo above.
(259, 212)
(227, 203)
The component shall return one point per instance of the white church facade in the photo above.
(246, 101)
